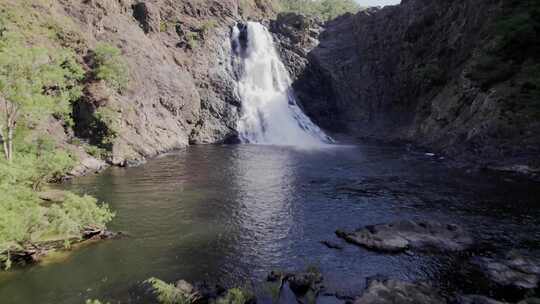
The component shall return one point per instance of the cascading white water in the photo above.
(270, 114)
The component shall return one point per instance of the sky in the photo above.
(377, 2)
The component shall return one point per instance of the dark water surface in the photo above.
(230, 214)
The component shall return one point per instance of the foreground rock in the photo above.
(409, 235)
(300, 283)
(393, 291)
(513, 271)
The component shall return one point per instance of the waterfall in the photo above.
(270, 113)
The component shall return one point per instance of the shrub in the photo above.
(168, 293)
(36, 163)
(110, 66)
(96, 152)
(192, 40)
(23, 220)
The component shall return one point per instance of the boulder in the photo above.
(302, 282)
(393, 291)
(513, 270)
(410, 235)
(53, 195)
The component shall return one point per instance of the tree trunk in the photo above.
(10, 141)
(3, 141)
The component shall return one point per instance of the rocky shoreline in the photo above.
(34, 253)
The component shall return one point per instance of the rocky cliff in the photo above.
(181, 81)
(438, 73)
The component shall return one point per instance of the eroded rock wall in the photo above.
(181, 88)
(403, 73)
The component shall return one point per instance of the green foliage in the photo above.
(38, 81)
(208, 25)
(236, 296)
(106, 123)
(110, 66)
(192, 40)
(163, 26)
(168, 293)
(75, 214)
(23, 220)
(93, 302)
(36, 163)
(96, 152)
(325, 9)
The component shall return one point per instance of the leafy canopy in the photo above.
(38, 82)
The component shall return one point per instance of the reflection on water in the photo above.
(230, 214)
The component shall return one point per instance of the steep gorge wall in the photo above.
(404, 73)
(181, 86)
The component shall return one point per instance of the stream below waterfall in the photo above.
(231, 214)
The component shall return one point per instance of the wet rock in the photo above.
(301, 283)
(393, 291)
(88, 165)
(476, 299)
(530, 301)
(332, 245)
(514, 271)
(409, 235)
(276, 276)
(295, 35)
(188, 291)
(207, 293)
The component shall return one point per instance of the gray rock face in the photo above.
(403, 73)
(295, 36)
(182, 85)
(514, 271)
(392, 292)
(148, 16)
(408, 235)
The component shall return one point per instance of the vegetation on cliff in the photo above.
(324, 9)
(514, 53)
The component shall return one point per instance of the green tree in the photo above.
(33, 83)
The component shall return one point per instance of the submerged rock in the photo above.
(393, 291)
(332, 245)
(513, 271)
(410, 235)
